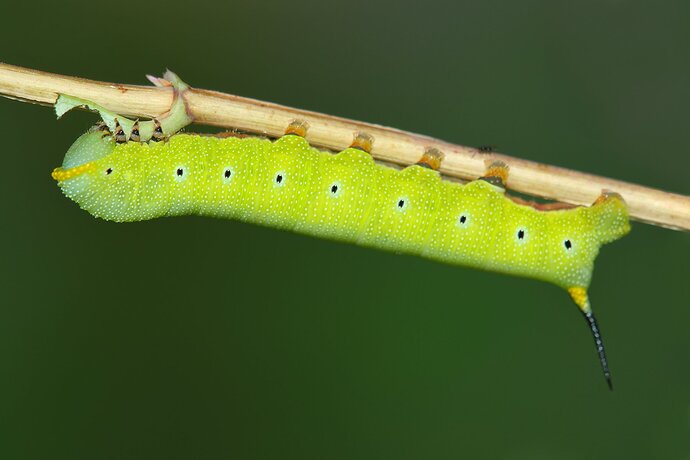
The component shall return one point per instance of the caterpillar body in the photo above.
(288, 184)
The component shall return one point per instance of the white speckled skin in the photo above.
(288, 184)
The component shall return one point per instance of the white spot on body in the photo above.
(335, 189)
(279, 179)
(180, 173)
(228, 174)
(463, 220)
(402, 204)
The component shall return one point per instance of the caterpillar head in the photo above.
(85, 166)
(88, 148)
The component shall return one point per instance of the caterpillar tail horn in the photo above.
(581, 299)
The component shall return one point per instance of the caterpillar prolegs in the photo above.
(115, 174)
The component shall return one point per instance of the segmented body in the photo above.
(120, 171)
(346, 196)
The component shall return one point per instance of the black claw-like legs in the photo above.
(157, 134)
(123, 129)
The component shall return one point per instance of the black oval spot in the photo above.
(401, 203)
(334, 189)
(180, 172)
(568, 244)
(108, 171)
(227, 174)
(463, 219)
(521, 234)
(279, 178)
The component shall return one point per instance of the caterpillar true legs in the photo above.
(347, 197)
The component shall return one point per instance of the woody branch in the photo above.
(218, 109)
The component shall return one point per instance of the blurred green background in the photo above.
(201, 338)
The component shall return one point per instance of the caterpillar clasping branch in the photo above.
(129, 170)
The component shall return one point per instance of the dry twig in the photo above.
(213, 108)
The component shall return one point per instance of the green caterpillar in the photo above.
(346, 196)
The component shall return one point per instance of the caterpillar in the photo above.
(127, 171)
